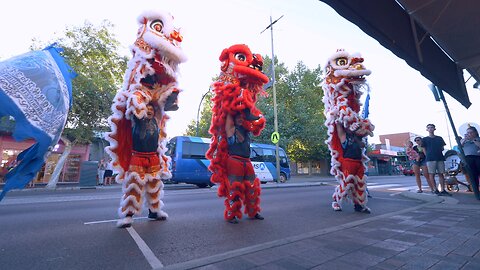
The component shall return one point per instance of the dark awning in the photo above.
(411, 29)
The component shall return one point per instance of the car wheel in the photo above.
(283, 178)
(201, 185)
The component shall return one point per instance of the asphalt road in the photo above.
(75, 229)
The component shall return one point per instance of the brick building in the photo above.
(389, 157)
(397, 139)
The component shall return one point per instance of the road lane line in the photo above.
(147, 252)
(108, 220)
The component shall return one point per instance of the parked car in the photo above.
(408, 171)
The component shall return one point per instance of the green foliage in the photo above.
(92, 51)
(299, 109)
(204, 118)
(7, 124)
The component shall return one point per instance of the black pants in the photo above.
(474, 164)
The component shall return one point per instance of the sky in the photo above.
(309, 31)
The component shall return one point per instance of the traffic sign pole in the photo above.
(275, 120)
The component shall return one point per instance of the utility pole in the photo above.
(275, 119)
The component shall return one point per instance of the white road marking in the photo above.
(382, 186)
(404, 188)
(108, 220)
(147, 252)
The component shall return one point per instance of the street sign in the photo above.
(275, 137)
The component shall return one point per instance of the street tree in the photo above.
(93, 52)
(299, 110)
(200, 128)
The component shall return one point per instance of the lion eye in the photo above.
(240, 57)
(157, 25)
(341, 61)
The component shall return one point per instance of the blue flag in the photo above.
(35, 89)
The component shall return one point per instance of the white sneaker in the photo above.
(336, 206)
(124, 222)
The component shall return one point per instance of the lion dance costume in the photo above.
(342, 88)
(236, 91)
(150, 83)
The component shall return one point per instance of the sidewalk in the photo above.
(441, 233)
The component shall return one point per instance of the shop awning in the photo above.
(439, 38)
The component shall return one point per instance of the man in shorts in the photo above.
(433, 145)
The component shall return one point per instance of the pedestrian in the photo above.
(434, 145)
(462, 164)
(471, 148)
(417, 155)
(101, 171)
(108, 173)
(352, 168)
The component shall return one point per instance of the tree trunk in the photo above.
(52, 183)
(309, 167)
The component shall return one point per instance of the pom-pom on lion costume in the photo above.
(240, 82)
(345, 78)
(150, 83)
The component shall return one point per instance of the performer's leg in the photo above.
(233, 202)
(252, 191)
(153, 197)
(235, 189)
(340, 193)
(252, 198)
(359, 193)
(131, 202)
(336, 200)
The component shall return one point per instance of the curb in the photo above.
(429, 197)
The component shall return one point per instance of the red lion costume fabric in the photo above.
(236, 91)
(342, 91)
(150, 79)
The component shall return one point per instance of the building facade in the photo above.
(388, 157)
(70, 172)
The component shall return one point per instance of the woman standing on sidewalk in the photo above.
(101, 171)
(471, 147)
(417, 156)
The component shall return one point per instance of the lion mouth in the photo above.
(250, 74)
(356, 78)
(352, 74)
(256, 67)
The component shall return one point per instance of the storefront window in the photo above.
(9, 158)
